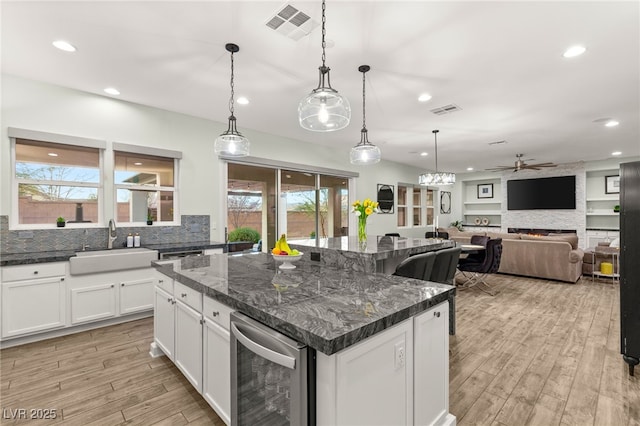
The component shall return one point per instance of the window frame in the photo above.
(16, 134)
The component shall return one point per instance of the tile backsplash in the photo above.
(192, 228)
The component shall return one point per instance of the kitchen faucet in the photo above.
(112, 234)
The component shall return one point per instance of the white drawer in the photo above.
(217, 312)
(165, 283)
(188, 296)
(33, 271)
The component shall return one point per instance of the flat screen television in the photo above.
(549, 193)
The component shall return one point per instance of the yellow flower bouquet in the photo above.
(363, 211)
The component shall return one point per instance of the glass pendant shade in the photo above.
(324, 110)
(365, 154)
(231, 143)
(436, 178)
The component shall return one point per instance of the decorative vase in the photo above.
(60, 224)
(149, 222)
(362, 229)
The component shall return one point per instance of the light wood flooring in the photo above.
(538, 353)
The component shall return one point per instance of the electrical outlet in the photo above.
(400, 356)
(315, 256)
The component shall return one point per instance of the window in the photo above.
(57, 180)
(415, 206)
(145, 187)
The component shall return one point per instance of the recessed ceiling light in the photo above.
(424, 97)
(424, 154)
(242, 100)
(52, 154)
(616, 153)
(137, 164)
(112, 91)
(64, 45)
(611, 123)
(574, 51)
(469, 169)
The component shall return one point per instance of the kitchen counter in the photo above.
(379, 254)
(325, 307)
(12, 259)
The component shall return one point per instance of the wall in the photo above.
(43, 107)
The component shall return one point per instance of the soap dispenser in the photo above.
(129, 240)
(136, 240)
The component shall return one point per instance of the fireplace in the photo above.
(540, 231)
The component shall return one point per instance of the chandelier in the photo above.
(324, 109)
(436, 178)
(365, 152)
(231, 143)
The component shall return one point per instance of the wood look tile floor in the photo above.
(538, 353)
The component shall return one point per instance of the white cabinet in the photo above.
(188, 343)
(431, 374)
(164, 322)
(33, 298)
(31, 306)
(595, 237)
(136, 295)
(216, 378)
(93, 303)
(370, 383)
(398, 376)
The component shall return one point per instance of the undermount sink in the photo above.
(90, 262)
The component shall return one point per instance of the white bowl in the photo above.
(287, 260)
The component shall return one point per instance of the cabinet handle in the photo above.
(436, 314)
(169, 300)
(35, 272)
(173, 302)
(122, 285)
(184, 294)
(160, 281)
(112, 286)
(215, 313)
(62, 279)
(201, 321)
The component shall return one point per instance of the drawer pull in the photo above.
(173, 302)
(215, 313)
(436, 314)
(112, 286)
(35, 272)
(122, 285)
(160, 281)
(168, 299)
(184, 294)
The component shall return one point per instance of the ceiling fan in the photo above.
(521, 164)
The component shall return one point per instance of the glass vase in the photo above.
(362, 229)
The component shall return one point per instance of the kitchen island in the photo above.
(378, 254)
(381, 341)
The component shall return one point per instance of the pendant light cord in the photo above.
(324, 32)
(435, 135)
(364, 112)
(231, 108)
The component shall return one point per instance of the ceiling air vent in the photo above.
(447, 109)
(291, 23)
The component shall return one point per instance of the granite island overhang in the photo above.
(324, 307)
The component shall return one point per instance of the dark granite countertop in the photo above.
(12, 259)
(324, 307)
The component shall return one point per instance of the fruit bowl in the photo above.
(287, 260)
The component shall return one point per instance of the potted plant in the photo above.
(60, 222)
(616, 208)
(457, 224)
(149, 219)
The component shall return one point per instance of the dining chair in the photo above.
(477, 272)
(392, 234)
(477, 257)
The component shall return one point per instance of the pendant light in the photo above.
(436, 178)
(324, 109)
(231, 143)
(365, 152)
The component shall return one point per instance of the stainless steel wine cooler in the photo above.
(272, 376)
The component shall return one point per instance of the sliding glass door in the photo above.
(274, 201)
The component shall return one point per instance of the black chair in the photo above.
(476, 272)
(478, 240)
(439, 234)
(416, 266)
(444, 268)
(392, 234)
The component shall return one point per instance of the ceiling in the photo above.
(501, 63)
